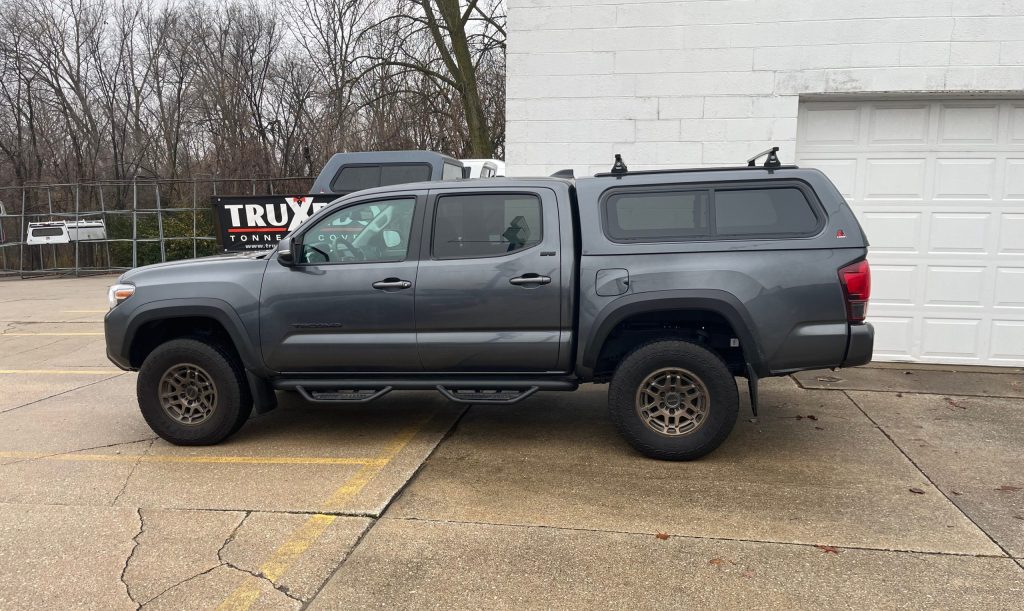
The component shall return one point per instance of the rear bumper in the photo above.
(860, 346)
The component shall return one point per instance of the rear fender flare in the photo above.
(719, 302)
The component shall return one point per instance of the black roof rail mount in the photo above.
(619, 167)
(772, 161)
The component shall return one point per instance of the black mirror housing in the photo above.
(285, 255)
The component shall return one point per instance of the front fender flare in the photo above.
(208, 307)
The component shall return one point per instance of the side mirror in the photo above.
(284, 252)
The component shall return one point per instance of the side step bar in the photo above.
(495, 397)
(468, 390)
(342, 395)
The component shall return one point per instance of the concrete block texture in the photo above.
(725, 77)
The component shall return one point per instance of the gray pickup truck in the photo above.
(665, 284)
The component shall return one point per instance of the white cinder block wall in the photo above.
(697, 82)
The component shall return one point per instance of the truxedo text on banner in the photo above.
(258, 222)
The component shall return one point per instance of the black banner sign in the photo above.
(258, 222)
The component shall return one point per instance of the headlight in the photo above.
(118, 293)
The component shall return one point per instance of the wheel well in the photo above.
(703, 327)
(156, 332)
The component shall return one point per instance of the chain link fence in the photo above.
(144, 221)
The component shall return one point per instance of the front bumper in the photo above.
(860, 346)
(114, 325)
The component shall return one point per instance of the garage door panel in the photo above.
(830, 124)
(961, 179)
(963, 286)
(898, 179)
(899, 124)
(1009, 287)
(951, 337)
(958, 233)
(842, 172)
(894, 283)
(1007, 341)
(968, 124)
(895, 232)
(938, 185)
(893, 336)
(1016, 120)
(1011, 235)
(1013, 182)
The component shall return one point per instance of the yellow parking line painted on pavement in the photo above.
(48, 334)
(355, 484)
(156, 458)
(84, 372)
(306, 535)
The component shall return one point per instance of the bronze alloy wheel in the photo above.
(188, 394)
(672, 402)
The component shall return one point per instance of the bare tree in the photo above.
(95, 89)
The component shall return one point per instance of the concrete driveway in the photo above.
(877, 487)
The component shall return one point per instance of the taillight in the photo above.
(856, 281)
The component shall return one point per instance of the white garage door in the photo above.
(939, 187)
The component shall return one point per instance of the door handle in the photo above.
(391, 283)
(530, 279)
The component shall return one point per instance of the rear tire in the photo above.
(673, 400)
(193, 393)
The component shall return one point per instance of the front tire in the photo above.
(193, 393)
(673, 400)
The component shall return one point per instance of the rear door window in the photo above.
(485, 225)
(783, 211)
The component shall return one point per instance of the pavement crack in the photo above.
(30, 403)
(231, 537)
(75, 451)
(183, 582)
(128, 560)
(131, 472)
(1005, 551)
(281, 589)
(225, 562)
(860, 548)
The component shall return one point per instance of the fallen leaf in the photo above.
(662, 536)
(716, 562)
(956, 492)
(818, 428)
(899, 394)
(954, 403)
(828, 549)
(1005, 488)
(812, 417)
(908, 373)
(917, 491)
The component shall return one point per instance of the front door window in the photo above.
(371, 232)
